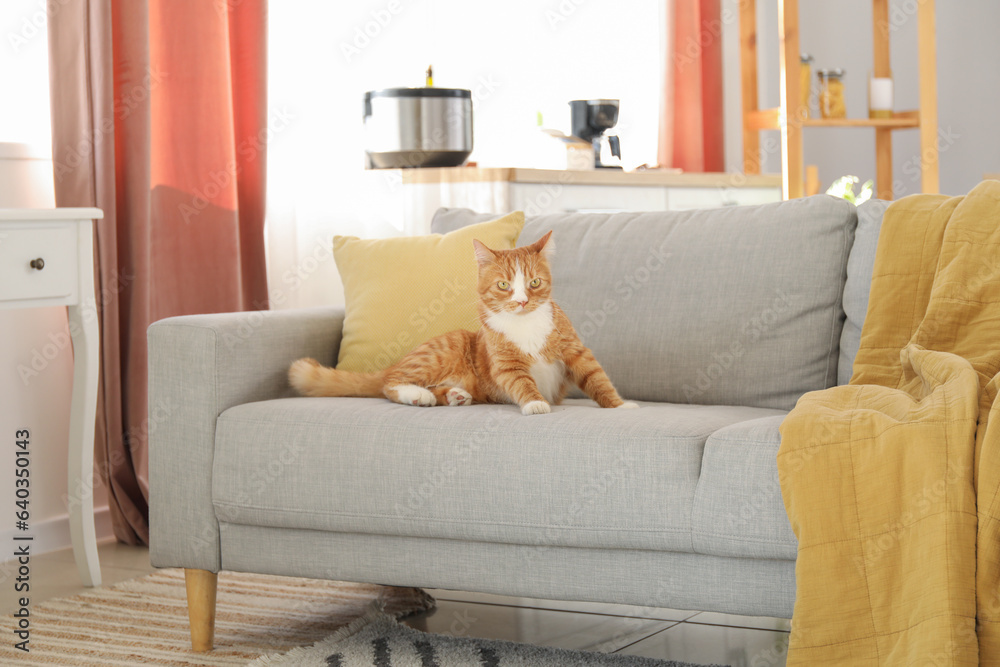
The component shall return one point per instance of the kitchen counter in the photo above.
(653, 177)
(418, 193)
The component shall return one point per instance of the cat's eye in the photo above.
(536, 282)
(504, 285)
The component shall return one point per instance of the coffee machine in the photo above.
(589, 120)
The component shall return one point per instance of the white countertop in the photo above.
(651, 177)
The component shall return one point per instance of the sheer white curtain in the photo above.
(519, 58)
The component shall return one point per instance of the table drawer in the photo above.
(56, 247)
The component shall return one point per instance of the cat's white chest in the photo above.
(549, 378)
(529, 332)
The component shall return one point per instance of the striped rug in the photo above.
(378, 640)
(144, 621)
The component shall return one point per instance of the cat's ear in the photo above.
(545, 246)
(483, 254)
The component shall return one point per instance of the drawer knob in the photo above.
(38, 264)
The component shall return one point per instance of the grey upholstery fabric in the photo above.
(200, 366)
(738, 510)
(753, 587)
(859, 279)
(449, 219)
(729, 306)
(579, 477)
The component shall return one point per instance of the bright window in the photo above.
(24, 76)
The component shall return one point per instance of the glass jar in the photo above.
(831, 93)
(805, 81)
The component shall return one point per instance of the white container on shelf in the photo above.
(880, 95)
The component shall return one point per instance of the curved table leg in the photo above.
(86, 359)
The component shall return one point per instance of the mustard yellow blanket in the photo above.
(891, 482)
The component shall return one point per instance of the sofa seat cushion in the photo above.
(579, 477)
(738, 510)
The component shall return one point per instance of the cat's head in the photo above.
(515, 281)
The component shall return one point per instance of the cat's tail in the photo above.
(310, 378)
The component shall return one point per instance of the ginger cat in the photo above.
(526, 352)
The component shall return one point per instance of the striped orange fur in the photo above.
(526, 353)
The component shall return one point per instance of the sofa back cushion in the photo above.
(729, 306)
(860, 264)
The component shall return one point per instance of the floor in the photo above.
(658, 633)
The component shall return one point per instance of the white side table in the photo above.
(47, 259)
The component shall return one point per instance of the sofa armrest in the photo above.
(200, 366)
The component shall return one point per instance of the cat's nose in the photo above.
(522, 303)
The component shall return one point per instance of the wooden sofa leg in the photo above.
(201, 588)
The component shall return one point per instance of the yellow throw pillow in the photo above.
(403, 291)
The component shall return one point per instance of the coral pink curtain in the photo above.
(159, 118)
(691, 133)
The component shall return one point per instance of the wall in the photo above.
(840, 35)
(32, 340)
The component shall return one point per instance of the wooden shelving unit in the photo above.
(792, 168)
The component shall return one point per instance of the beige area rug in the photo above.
(144, 621)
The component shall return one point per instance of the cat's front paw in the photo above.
(458, 396)
(628, 405)
(411, 394)
(536, 408)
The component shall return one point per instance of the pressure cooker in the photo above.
(417, 127)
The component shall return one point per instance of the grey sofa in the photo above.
(716, 321)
